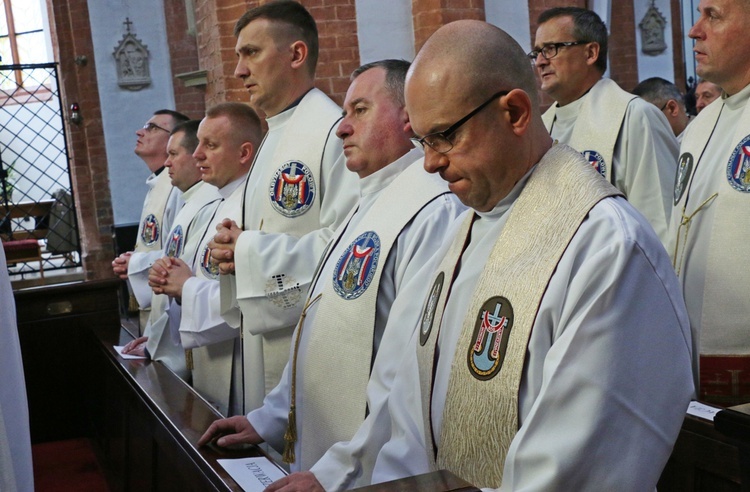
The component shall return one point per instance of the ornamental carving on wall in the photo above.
(652, 31)
(132, 59)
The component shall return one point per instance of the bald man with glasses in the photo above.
(625, 138)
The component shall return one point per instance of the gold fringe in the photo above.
(290, 436)
(132, 304)
(189, 359)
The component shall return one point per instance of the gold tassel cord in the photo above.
(686, 221)
(290, 436)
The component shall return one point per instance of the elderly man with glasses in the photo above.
(626, 139)
(162, 203)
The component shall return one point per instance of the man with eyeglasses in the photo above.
(402, 215)
(709, 234)
(667, 97)
(162, 203)
(626, 139)
(538, 355)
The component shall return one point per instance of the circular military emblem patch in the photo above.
(428, 314)
(150, 230)
(684, 170)
(490, 338)
(738, 167)
(209, 269)
(283, 291)
(357, 266)
(596, 160)
(175, 243)
(292, 190)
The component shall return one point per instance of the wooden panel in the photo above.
(51, 324)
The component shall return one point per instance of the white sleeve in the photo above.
(270, 420)
(602, 405)
(138, 267)
(350, 463)
(260, 256)
(645, 162)
(201, 322)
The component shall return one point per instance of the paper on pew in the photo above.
(252, 474)
(118, 349)
(702, 410)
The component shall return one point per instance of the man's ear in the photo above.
(671, 107)
(518, 105)
(407, 124)
(592, 52)
(299, 52)
(246, 152)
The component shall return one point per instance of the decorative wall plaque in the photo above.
(131, 56)
(652, 31)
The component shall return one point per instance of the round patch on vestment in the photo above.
(357, 266)
(490, 338)
(428, 314)
(175, 243)
(596, 160)
(209, 269)
(738, 166)
(150, 230)
(681, 178)
(292, 190)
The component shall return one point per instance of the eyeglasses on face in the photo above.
(549, 51)
(440, 141)
(149, 127)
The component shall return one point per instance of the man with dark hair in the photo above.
(667, 97)
(159, 208)
(709, 235)
(201, 199)
(227, 141)
(626, 139)
(706, 92)
(298, 192)
(528, 320)
(402, 215)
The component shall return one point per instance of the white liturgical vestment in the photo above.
(613, 299)
(644, 150)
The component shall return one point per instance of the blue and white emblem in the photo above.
(738, 167)
(150, 230)
(210, 270)
(490, 338)
(175, 242)
(292, 190)
(596, 160)
(357, 266)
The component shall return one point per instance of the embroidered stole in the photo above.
(598, 124)
(304, 139)
(341, 335)
(151, 233)
(481, 411)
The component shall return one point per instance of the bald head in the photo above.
(471, 94)
(474, 58)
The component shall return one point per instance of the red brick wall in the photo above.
(678, 57)
(429, 15)
(623, 60)
(183, 53)
(69, 22)
(337, 30)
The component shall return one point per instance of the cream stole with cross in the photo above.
(598, 124)
(473, 442)
(151, 232)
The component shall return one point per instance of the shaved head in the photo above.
(486, 60)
